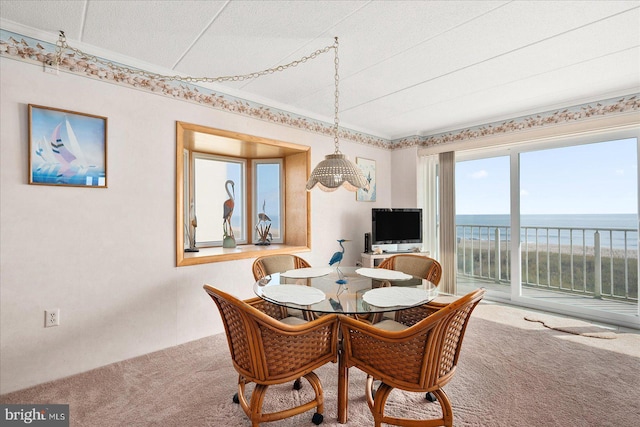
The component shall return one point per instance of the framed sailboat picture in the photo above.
(67, 148)
(368, 168)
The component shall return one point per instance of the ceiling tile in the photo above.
(157, 32)
(406, 67)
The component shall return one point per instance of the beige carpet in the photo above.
(512, 372)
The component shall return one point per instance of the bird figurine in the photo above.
(335, 304)
(262, 216)
(227, 212)
(263, 226)
(337, 259)
(190, 229)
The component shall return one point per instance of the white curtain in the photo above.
(447, 210)
(428, 201)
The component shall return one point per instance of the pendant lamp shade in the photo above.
(334, 171)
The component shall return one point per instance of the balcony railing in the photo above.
(602, 263)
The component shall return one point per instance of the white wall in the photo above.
(105, 257)
(404, 178)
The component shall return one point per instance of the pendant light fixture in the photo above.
(336, 169)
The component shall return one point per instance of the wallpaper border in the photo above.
(27, 49)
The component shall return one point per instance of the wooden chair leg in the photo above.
(377, 400)
(314, 380)
(257, 399)
(240, 396)
(253, 407)
(447, 410)
(380, 400)
(370, 392)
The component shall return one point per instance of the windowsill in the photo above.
(219, 254)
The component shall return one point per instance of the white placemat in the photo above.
(297, 294)
(383, 274)
(395, 295)
(305, 273)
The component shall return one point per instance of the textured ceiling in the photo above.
(406, 67)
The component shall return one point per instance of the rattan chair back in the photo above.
(416, 265)
(270, 264)
(420, 358)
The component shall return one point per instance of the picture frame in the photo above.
(67, 148)
(368, 168)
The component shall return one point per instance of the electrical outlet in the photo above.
(52, 317)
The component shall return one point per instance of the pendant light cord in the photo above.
(62, 45)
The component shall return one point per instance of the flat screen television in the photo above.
(395, 226)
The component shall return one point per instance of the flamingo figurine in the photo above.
(228, 209)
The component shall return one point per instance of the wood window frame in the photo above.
(297, 201)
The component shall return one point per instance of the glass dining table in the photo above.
(363, 292)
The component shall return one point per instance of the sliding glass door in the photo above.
(483, 225)
(574, 205)
(579, 225)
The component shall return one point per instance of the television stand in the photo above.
(371, 260)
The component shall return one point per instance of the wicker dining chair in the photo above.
(266, 351)
(419, 358)
(269, 264)
(416, 265)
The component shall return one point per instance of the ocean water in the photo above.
(591, 221)
(91, 177)
(616, 230)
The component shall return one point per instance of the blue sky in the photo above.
(586, 179)
(268, 190)
(88, 130)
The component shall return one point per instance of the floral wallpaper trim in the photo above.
(626, 104)
(30, 50)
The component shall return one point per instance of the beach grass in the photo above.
(558, 270)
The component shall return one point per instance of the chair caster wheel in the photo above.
(297, 384)
(317, 419)
(431, 397)
(235, 398)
